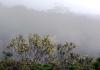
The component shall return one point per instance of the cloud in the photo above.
(36, 4)
(76, 6)
(82, 30)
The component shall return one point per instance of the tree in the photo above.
(42, 48)
(19, 45)
(41, 53)
(96, 64)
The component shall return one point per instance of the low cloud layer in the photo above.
(83, 30)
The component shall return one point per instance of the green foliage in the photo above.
(8, 64)
(23, 65)
(41, 67)
(96, 64)
(7, 55)
(41, 53)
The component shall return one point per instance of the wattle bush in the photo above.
(41, 53)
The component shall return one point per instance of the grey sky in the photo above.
(81, 30)
(77, 6)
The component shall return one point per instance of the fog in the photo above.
(83, 30)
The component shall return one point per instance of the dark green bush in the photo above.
(96, 64)
(23, 65)
(8, 65)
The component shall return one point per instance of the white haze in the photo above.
(82, 30)
(76, 6)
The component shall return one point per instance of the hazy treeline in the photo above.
(42, 53)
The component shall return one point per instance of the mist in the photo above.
(83, 30)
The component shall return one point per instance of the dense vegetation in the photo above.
(41, 53)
